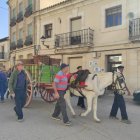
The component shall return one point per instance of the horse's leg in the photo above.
(67, 98)
(95, 109)
(89, 104)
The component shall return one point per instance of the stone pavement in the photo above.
(39, 126)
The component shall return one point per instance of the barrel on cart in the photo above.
(41, 74)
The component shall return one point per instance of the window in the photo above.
(29, 2)
(21, 7)
(20, 33)
(20, 57)
(75, 29)
(76, 24)
(2, 52)
(113, 16)
(14, 37)
(48, 30)
(30, 29)
(29, 56)
(14, 13)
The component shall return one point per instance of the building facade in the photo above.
(4, 53)
(89, 33)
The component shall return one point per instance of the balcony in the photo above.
(134, 29)
(81, 37)
(13, 22)
(20, 43)
(13, 46)
(28, 11)
(20, 17)
(28, 41)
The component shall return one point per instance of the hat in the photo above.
(79, 67)
(120, 67)
(19, 63)
(63, 65)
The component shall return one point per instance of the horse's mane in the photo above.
(82, 75)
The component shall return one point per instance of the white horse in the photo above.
(96, 85)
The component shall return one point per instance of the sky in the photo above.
(4, 19)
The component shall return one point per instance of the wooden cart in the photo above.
(40, 80)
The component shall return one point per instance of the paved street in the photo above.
(39, 126)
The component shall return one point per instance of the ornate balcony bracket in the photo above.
(29, 11)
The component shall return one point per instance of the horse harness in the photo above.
(79, 89)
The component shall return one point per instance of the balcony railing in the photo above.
(81, 37)
(134, 29)
(20, 43)
(28, 41)
(13, 46)
(13, 22)
(28, 11)
(20, 17)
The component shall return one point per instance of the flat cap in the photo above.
(120, 67)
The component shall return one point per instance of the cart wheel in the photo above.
(47, 95)
(29, 90)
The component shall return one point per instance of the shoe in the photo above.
(56, 118)
(67, 123)
(113, 118)
(126, 121)
(20, 120)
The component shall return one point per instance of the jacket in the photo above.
(13, 81)
(3, 82)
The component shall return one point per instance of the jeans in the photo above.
(2, 92)
(60, 107)
(20, 100)
(119, 103)
(2, 95)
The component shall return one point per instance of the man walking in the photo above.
(3, 85)
(60, 85)
(119, 99)
(18, 87)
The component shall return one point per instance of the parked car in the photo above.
(136, 96)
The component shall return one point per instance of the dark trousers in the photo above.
(81, 102)
(60, 107)
(20, 100)
(119, 103)
(2, 95)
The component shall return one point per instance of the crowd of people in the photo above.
(18, 81)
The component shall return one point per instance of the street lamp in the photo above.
(43, 42)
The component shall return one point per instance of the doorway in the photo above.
(113, 61)
(74, 62)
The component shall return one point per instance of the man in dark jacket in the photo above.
(3, 85)
(18, 88)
